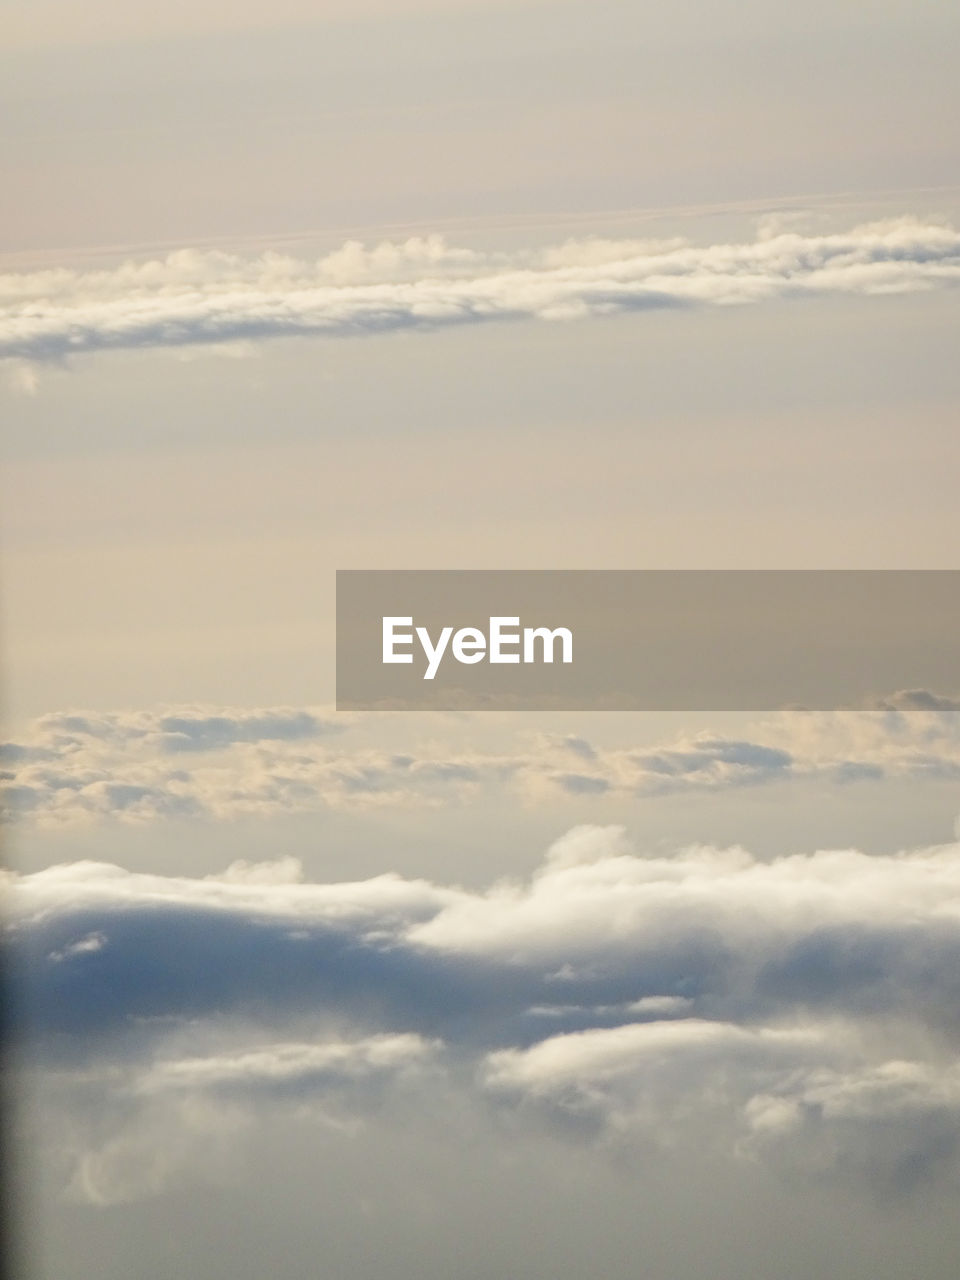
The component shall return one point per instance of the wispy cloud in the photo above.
(225, 763)
(193, 297)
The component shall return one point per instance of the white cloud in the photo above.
(280, 1065)
(629, 1077)
(712, 932)
(193, 297)
(801, 1012)
(800, 1100)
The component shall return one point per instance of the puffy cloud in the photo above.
(225, 763)
(193, 297)
(801, 1101)
(635, 1079)
(597, 933)
(801, 1012)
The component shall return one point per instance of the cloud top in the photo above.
(598, 936)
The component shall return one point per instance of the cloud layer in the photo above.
(193, 297)
(804, 1012)
(226, 763)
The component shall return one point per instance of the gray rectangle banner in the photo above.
(656, 640)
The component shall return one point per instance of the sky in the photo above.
(439, 284)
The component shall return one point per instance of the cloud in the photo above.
(142, 764)
(896, 1123)
(628, 1078)
(193, 297)
(290, 1068)
(918, 700)
(134, 1130)
(801, 1012)
(185, 728)
(597, 930)
(226, 763)
(794, 1099)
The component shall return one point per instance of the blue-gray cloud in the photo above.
(813, 999)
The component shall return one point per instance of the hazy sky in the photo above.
(292, 288)
(208, 121)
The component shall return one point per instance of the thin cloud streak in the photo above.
(193, 297)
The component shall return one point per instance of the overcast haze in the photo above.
(447, 285)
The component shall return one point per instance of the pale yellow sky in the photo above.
(172, 528)
(157, 124)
